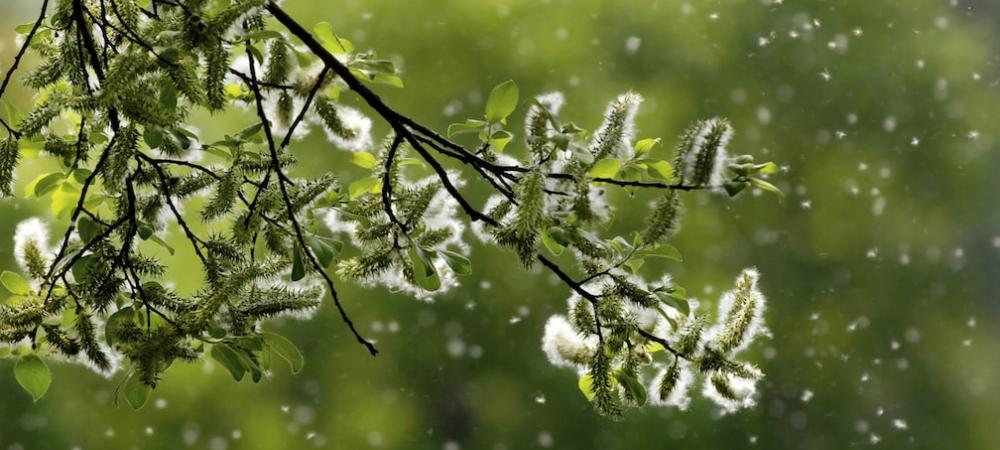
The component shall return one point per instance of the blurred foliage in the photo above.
(880, 266)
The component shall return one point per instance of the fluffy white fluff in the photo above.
(752, 298)
(31, 233)
(680, 396)
(360, 126)
(627, 104)
(743, 389)
(721, 156)
(442, 212)
(563, 345)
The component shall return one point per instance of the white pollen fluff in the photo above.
(742, 392)
(563, 345)
(619, 113)
(31, 233)
(442, 212)
(359, 126)
(680, 396)
(719, 161)
(552, 101)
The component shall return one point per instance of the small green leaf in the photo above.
(633, 386)
(470, 126)
(230, 359)
(735, 187)
(298, 267)
(665, 251)
(675, 301)
(44, 184)
(586, 385)
(24, 28)
(764, 185)
(88, 229)
(634, 264)
(364, 160)
(81, 268)
(662, 168)
(502, 101)
(654, 347)
(424, 273)
(605, 168)
(336, 45)
(324, 251)
(33, 375)
(136, 392)
(364, 186)
(551, 244)
(81, 175)
(115, 323)
(162, 243)
(767, 168)
(285, 349)
(458, 263)
(645, 145)
(145, 230)
(500, 139)
(15, 283)
(387, 79)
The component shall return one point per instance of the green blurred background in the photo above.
(882, 265)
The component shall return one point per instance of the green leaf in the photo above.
(665, 251)
(230, 359)
(458, 263)
(88, 229)
(645, 145)
(676, 301)
(298, 267)
(470, 126)
(364, 186)
(735, 187)
(81, 175)
(500, 139)
(285, 349)
(388, 79)
(633, 386)
(33, 375)
(44, 184)
(81, 268)
(654, 347)
(586, 385)
(764, 185)
(551, 244)
(24, 28)
(250, 132)
(15, 283)
(162, 243)
(767, 168)
(264, 35)
(502, 101)
(323, 250)
(145, 230)
(364, 160)
(334, 44)
(115, 323)
(136, 392)
(424, 273)
(605, 168)
(662, 168)
(634, 264)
